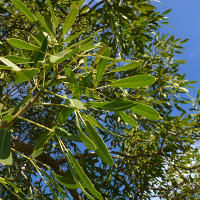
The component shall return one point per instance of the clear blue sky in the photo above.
(185, 23)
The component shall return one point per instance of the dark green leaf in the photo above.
(5, 148)
(101, 150)
(83, 177)
(18, 59)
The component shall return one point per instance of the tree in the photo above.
(92, 103)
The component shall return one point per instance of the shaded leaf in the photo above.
(88, 143)
(83, 177)
(18, 59)
(5, 148)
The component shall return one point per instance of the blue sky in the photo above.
(185, 23)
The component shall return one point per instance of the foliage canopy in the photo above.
(92, 103)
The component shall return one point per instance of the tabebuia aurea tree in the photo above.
(93, 104)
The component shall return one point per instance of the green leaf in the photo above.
(101, 150)
(145, 111)
(22, 44)
(134, 81)
(83, 177)
(46, 24)
(69, 39)
(25, 75)
(71, 17)
(37, 153)
(88, 143)
(127, 67)
(5, 148)
(43, 139)
(5, 67)
(18, 59)
(102, 66)
(116, 105)
(55, 22)
(166, 12)
(128, 119)
(62, 56)
(24, 10)
(64, 134)
(66, 181)
(75, 103)
(10, 65)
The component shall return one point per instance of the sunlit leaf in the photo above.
(9, 64)
(24, 10)
(127, 67)
(18, 43)
(134, 81)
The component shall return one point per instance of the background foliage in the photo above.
(92, 103)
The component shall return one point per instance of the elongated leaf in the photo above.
(64, 134)
(101, 150)
(5, 67)
(66, 181)
(128, 119)
(69, 39)
(145, 111)
(102, 66)
(55, 22)
(62, 56)
(44, 23)
(5, 148)
(43, 139)
(116, 105)
(10, 65)
(25, 75)
(83, 177)
(18, 59)
(22, 44)
(134, 81)
(71, 17)
(127, 67)
(24, 10)
(75, 103)
(88, 143)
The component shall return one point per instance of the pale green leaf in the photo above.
(18, 59)
(10, 65)
(75, 103)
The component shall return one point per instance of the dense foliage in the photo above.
(92, 103)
